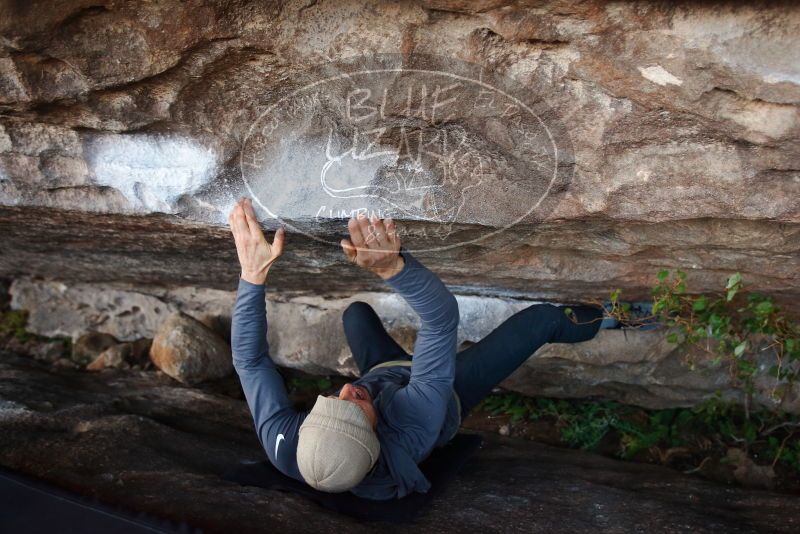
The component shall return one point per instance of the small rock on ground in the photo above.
(189, 351)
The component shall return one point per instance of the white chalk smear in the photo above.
(657, 74)
(152, 171)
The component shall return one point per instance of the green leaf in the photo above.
(663, 275)
(615, 295)
(733, 281)
(731, 293)
(765, 308)
(672, 337)
(700, 304)
(569, 312)
(740, 348)
(755, 297)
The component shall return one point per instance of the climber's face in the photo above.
(359, 396)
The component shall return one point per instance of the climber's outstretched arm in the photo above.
(277, 423)
(420, 407)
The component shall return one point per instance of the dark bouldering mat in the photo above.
(439, 468)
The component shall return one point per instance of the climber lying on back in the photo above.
(371, 435)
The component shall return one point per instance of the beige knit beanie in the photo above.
(337, 445)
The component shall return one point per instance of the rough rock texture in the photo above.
(50, 351)
(123, 311)
(670, 130)
(189, 352)
(681, 120)
(147, 443)
(111, 357)
(305, 332)
(90, 345)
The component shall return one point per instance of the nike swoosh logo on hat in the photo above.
(277, 443)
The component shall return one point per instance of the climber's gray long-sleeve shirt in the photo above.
(416, 407)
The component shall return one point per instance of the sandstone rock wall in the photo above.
(681, 118)
(305, 332)
(123, 124)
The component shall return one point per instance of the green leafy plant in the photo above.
(585, 424)
(739, 329)
(517, 406)
(13, 323)
(585, 427)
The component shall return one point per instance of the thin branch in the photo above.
(780, 449)
(699, 467)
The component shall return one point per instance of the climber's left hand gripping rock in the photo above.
(256, 254)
